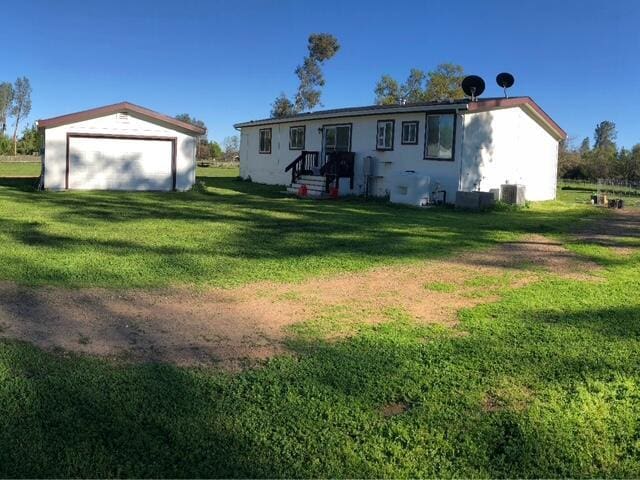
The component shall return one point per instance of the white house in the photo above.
(434, 147)
(118, 147)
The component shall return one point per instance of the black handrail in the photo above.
(302, 165)
(338, 165)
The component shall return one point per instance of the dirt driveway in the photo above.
(233, 327)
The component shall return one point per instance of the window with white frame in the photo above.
(384, 139)
(265, 140)
(296, 138)
(409, 133)
(439, 137)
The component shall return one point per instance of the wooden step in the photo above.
(310, 193)
(309, 180)
(310, 186)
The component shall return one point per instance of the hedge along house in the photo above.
(452, 146)
(118, 147)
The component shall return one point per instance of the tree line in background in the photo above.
(15, 103)
(211, 150)
(603, 160)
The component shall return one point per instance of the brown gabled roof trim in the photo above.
(117, 108)
(496, 103)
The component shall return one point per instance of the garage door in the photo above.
(120, 163)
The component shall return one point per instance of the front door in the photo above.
(337, 138)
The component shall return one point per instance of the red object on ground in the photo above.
(333, 193)
(303, 191)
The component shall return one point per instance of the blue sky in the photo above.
(225, 62)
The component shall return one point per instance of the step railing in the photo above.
(338, 165)
(303, 165)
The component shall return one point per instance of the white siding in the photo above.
(508, 146)
(141, 176)
(490, 148)
(269, 168)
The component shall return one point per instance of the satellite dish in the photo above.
(473, 86)
(505, 80)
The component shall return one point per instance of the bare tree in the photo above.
(231, 147)
(21, 106)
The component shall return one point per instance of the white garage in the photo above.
(118, 147)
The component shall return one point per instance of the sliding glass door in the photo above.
(337, 138)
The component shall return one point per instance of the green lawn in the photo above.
(231, 233)
(19, 169)
(544, 383)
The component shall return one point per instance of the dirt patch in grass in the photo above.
(508, 397)
(239, 327)
(393, 409)
(619, 231)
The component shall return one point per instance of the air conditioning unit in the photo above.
(512, 194)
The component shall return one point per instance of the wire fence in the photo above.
(604, 191)
(623, 188)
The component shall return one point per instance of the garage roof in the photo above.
(119, 108)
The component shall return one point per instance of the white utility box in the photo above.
(411, 188)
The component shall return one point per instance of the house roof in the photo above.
(118, 108)
(480, 105)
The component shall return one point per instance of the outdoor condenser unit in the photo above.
(513, 194)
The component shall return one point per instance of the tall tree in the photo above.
(321, 47)
(600, 163)
(444, 83)
(412, 90)
(605, 135)
(6, 99)
(29, 144)
(570, 163)
(185, 117)
(585, 146)
(629, 163)
(282, 107)
(215, 151)
(231, 147)
(21, 106)
(388, 91)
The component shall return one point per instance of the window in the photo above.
(265, 140)
(337, 138)
(296, 138)
(409, 133)
(385, 135)
(439, 137)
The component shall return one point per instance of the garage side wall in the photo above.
(55, 155)
(508, 146)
